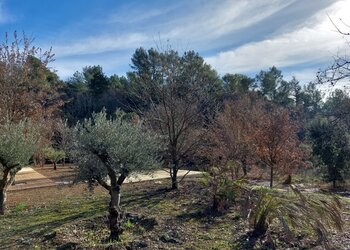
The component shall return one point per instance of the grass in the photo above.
(81, 218)
(36, 221)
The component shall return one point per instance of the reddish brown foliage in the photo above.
(274, 140)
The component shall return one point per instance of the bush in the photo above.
(314, 213)
(223, 186)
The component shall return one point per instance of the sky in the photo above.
(234, 36)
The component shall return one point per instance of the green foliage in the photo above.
(18, 142)
(54, 155)
(331, 145)
(128, 224)
(125, 144)
(96, 80)
(20, 207)
(158, 75)
(237, 83)
(295, 212)
(223, 187)
(312, 100)
(268, 81)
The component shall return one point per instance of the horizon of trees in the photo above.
(170, 111)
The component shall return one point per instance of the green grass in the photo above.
(29, 223)
(182, 210)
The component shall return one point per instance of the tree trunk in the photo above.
(2, 201)
(216, 204)
(288, 180)
(334, 183)
(7, 181)
(244, 167)
(271, 177)
(54, 165)
(115, 214)
(174, 184)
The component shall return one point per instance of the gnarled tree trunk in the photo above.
(2, 201)
(115, 214)
(7, 181)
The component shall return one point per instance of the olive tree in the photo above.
(54, 155)
(107, 151)
(18, 142)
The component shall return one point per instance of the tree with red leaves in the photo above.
(275, 141)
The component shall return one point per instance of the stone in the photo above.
(171, 237)
(49, 236)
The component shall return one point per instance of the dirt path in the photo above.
(30, 178)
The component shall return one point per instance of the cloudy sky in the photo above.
(234, 36)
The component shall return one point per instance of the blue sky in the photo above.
(234, 36)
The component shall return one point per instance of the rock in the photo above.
(49, 236)
(132, 217)
(171, 237)
(148, 223)
(25, 241)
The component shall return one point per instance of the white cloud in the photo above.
(66, 67)
(208, 23)
(100, 44)
(220, 18)
(314, 43)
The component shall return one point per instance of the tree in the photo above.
(91, 91)
(268, 81)
(54, 155)
(284, 94)
(18, 142)
(107, 151)
(275, 141)
(178, 94)
(228, 135)
(296, 91)
(340, 69)
(96, 80)
(237, 83)
(27, 88)
(337, 107)
(331, 144)
(312, 100)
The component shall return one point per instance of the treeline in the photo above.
(170, 111)
(181, 97)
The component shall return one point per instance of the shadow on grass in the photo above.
(248, 241)
(152, 197)
(45, 220)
